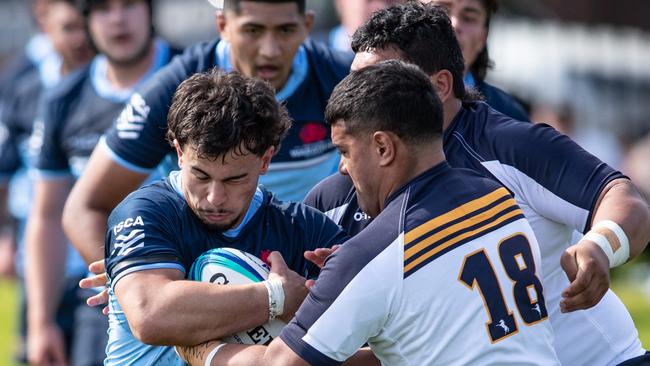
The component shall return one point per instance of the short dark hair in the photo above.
(421, 32)
(234, 4)
(483, 63)
(216, 112)
(389, 96)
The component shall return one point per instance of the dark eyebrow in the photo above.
(200, 171)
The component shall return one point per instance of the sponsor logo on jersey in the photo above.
(130, 222)
(361, 216)
(312, 132)
(131, 120)
(125, 244)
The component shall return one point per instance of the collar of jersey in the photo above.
(103, 87)
(39, 47)
(175, 178)
(469, 80)
(299, 69)
(49, 70)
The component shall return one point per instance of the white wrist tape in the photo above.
(276, 297)
(612, 239)
(208, 360)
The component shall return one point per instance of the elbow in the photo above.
(149, 328)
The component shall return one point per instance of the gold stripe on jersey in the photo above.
(456, 213)
(481, 222)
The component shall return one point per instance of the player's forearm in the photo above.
(46, 252)
(86, 227)
(189, 313)
(622, 203)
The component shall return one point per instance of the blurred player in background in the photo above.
(225, 128)
(47, 59)
(353, 13)
(408, 283)
(471, 21)
(560, 187)
(262, 39)
(71, 118)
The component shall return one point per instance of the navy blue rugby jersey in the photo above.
(155, 228)
(137, 140)
(378, 286)
(17, 113)
(502, 101)
(75, 114)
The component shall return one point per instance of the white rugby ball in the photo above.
(228, 266)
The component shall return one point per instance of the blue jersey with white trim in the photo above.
(412, 283)
(155, 228)
(137, 140)
(557, 185)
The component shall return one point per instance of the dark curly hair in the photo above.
(388, 96)
(421, 32)
(216, 112)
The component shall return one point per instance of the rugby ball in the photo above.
(228, 266)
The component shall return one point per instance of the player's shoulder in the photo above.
(69, 86)
(157, 199)
(502, 101)
(293, 213)
(444, 194)
(196, 58)
(328, 62)
(333, 191)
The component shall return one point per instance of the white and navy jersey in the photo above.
(154, 228)
(137, 140)
(447, 274)
(556, 183)
(75, 114)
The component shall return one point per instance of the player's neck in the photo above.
(450, 108)
(125, 76)
(411, 164)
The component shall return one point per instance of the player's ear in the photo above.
(179, 153)
(266, 159)
(384, 147)
(443, 82)
(309, 20)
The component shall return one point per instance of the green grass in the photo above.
(639, 307)
(8, 318)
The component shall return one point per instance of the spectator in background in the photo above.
(352, 13)
(471, 22)
(600, 142)
(47, 58)
(70, 121)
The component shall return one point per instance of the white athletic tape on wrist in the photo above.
(212, 354)
(276, 297)
(612, 239)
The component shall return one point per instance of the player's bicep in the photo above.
(98, 188)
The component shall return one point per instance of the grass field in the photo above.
(628, 290)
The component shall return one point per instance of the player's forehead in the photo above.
(265, 13)
(373, 56)
(475, 6)
(232, 162)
